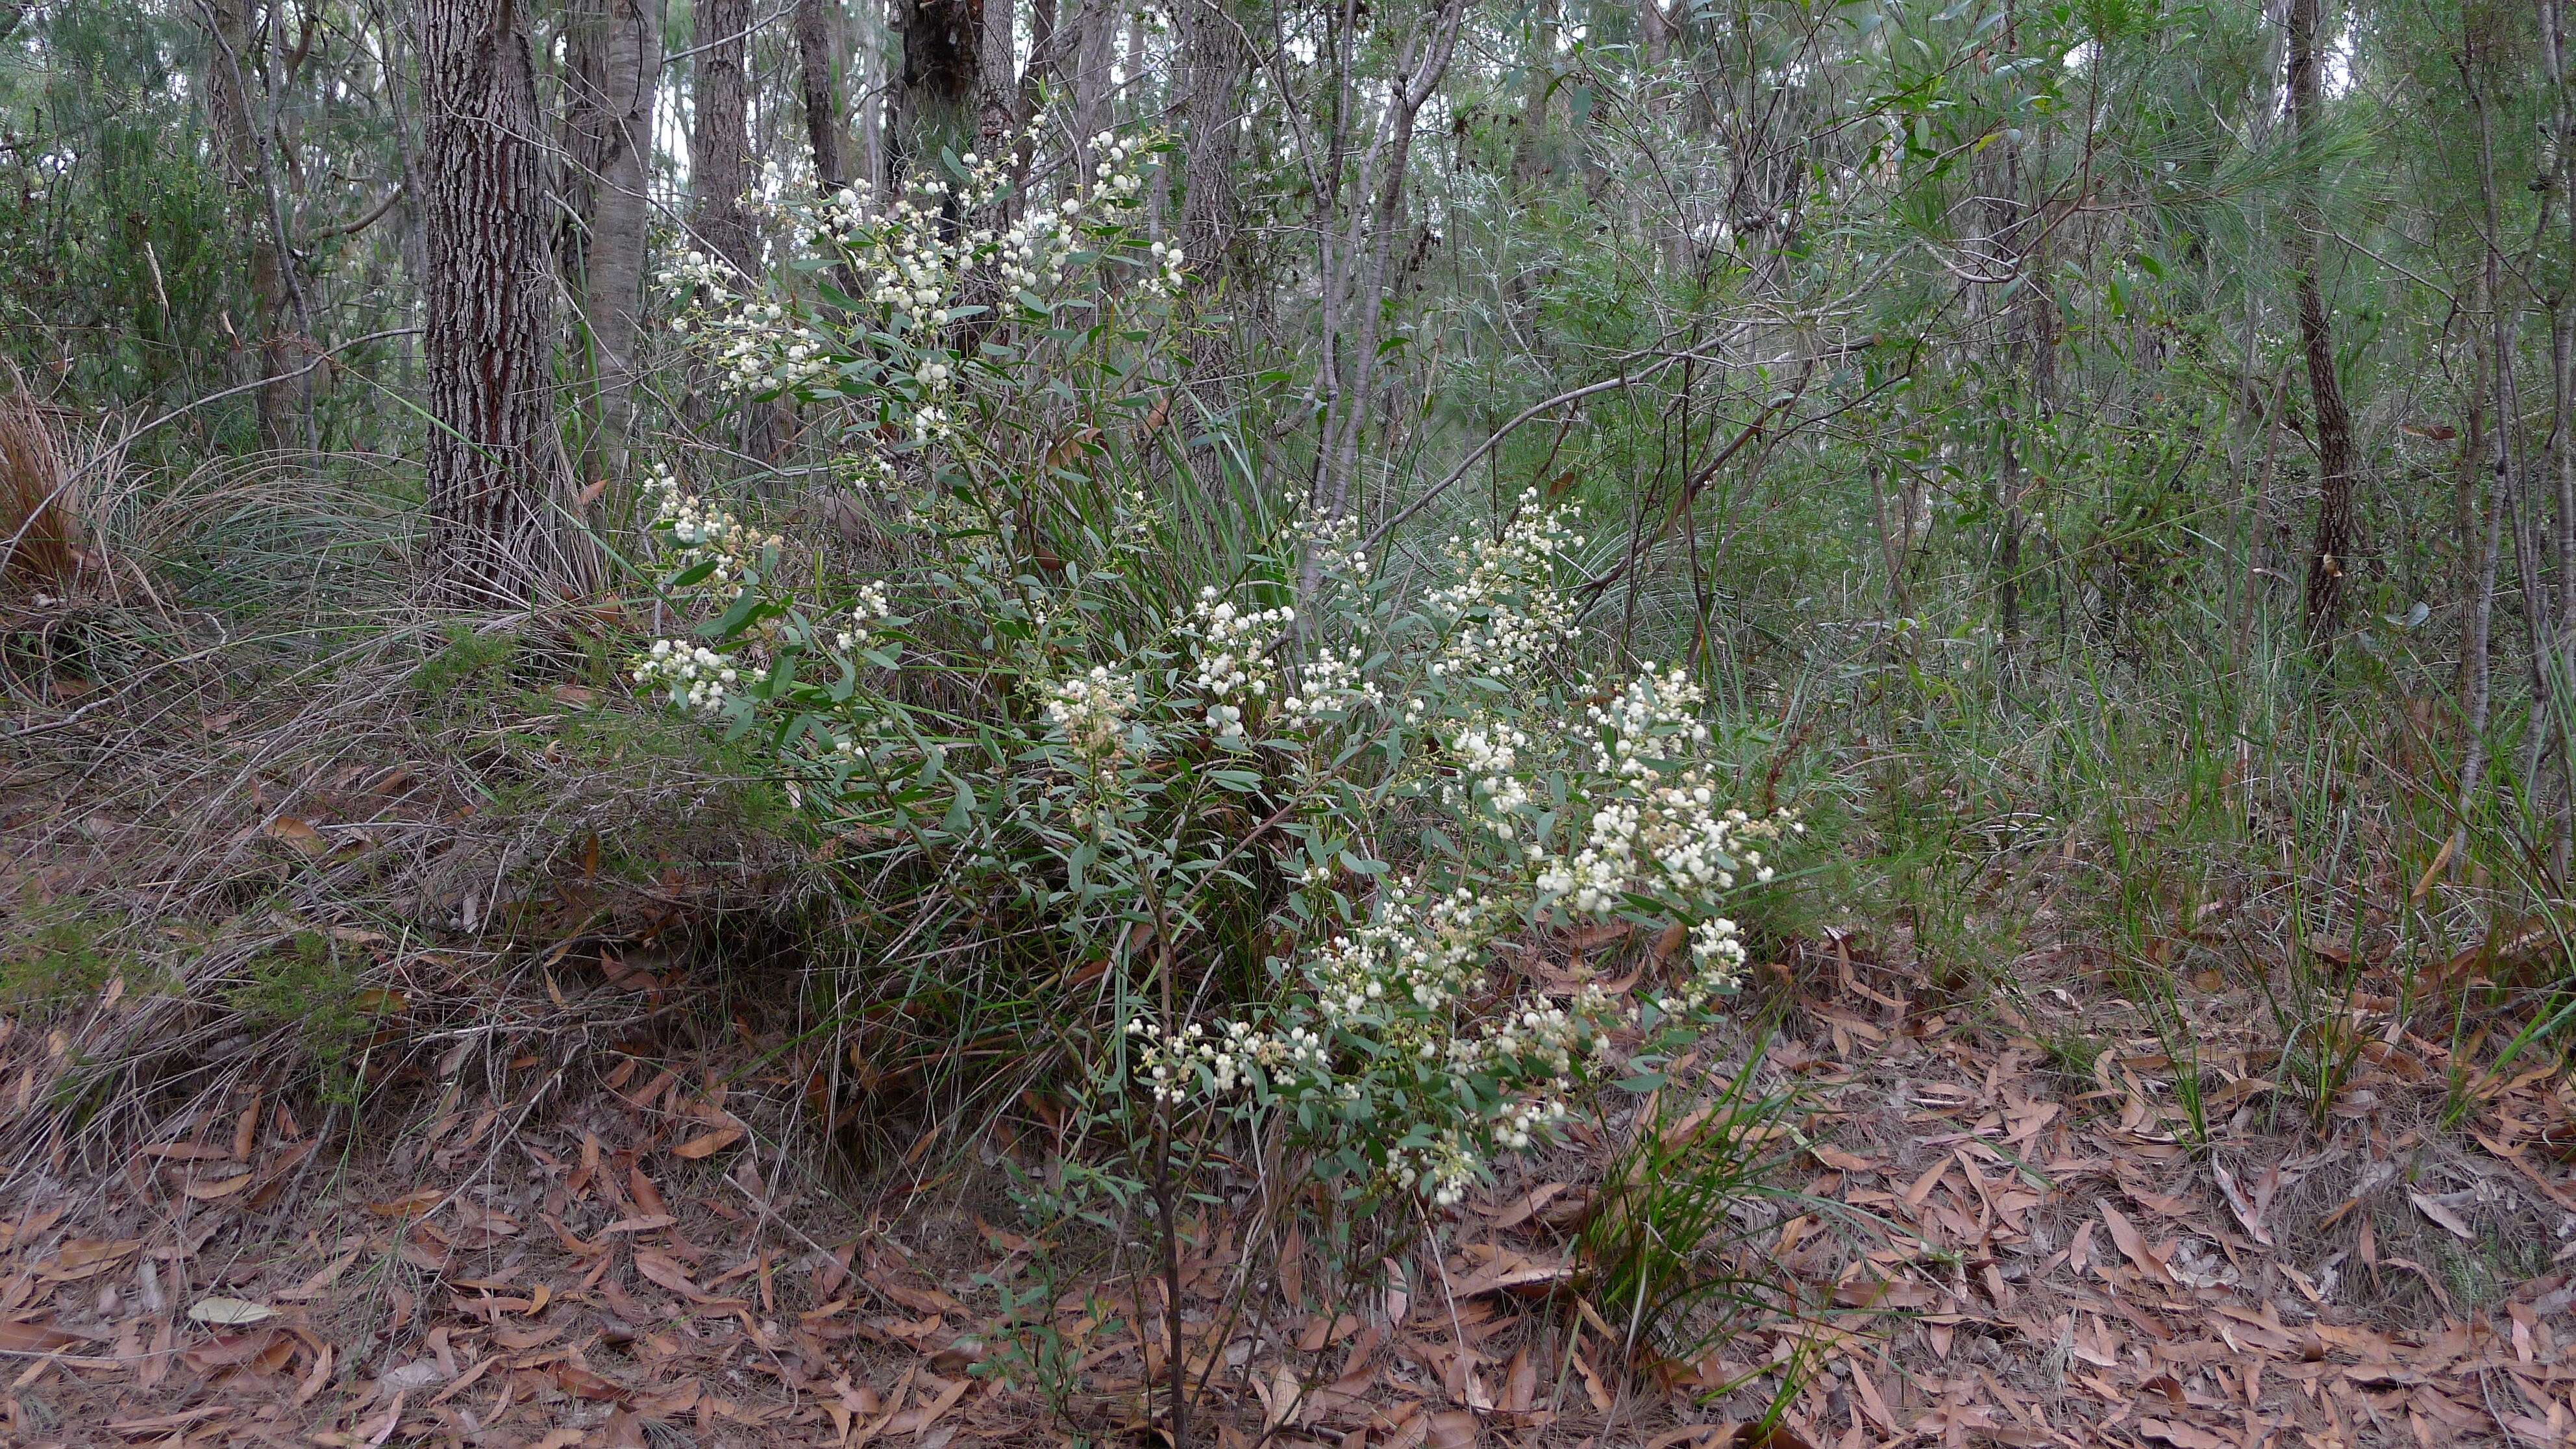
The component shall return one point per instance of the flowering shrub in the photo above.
(1285, 813)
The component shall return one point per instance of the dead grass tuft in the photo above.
(42, 544)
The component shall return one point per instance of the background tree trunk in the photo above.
(997, 79)
(1356, 386)
(719, 176)
(1532, 146)
(720, 142)
(231, 61)
(608, 162)
(1656, 28)
(819, 53)
(935, 102)
(2336, 467)
(487, 311)
(1212, 63)
(1095, 25)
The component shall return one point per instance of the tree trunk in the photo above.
(935, 104)
(608, 148)
(2336, 467)
(719, 176)
(2512, 490)
(819, 51)
(487, 311)
(1213, 64)
(230, 62)
(1656, 28)
(2483, 544)
(720, 143)
(1353, 381)
(1531, 146)
(872, 100)
(2014, 248)
(1095, 27)
(997, 81)
(2562, 400)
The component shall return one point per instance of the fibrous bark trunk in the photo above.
(720, 175)
(230, 62)
(1213, 62)
(935, 103)
(1082, 52)
(1656, 29)
(2337, 468)
(608, 153)
(997, 81)
(819, 52)
(493, 485)
(720, 142)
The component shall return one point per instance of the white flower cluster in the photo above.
(1540, 1037)
(1655, 719)
(866, 471)
(1675, 841)
(1508, 609)
(1490, 786)
(1092, 710)
(1136, 520)
(1168, 267)
(1334, 543)
(1033, 250)
(1179, 1063)
(1384, 995)
(1425, 954)
(1717, 967)
(1331, 681)
(906, 252)
(1442, 1171)
(1661, 831)
(705, 532)
(1233, 648)
(758, 345)
(695, 675)
(873, 608)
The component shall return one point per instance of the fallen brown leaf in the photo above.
(708, 1144)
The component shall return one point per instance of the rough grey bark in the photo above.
(934, 106)
(819, 59)
(1042, 57)
(1087, 69)
(872, 101)
(230, 62)
(720, 141)
(487, 311)
(608, 150)
(997, 81)
(2337, 466)
(720, 175)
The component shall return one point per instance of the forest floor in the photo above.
(1998, 1250)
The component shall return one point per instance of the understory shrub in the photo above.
(1261, 822)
